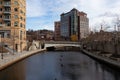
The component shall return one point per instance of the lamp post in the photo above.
(14, 37)
(1, 46)
(21, 46)
(13, 40)
(2, 41)
(115, 42)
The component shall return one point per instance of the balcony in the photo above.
(7, 12)
(7, 4)
(1, 25)
(6, 19)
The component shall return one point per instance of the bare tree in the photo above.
(104, 25)
(116, 22)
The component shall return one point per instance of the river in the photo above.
(59, 65)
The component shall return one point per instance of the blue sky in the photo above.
(41, 14)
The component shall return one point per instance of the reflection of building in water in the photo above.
(15, 72)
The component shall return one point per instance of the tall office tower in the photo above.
(74, 25)
(13, 23)
(57, 31)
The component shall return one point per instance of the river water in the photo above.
(58, 65)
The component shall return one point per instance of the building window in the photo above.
(21, 18)
(7, 16)
(8, 35)
(16, 9)
(0, 16)
(16, 16)
(8, 23)
(0, 23)
(16, 23)
(15, 2)
(21, 12)
(7, 9)
(21, 25)
(1, 9)
(1, 2)
(7, 3)
(21, 35)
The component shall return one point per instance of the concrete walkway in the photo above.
(108, 61)
(9, 59)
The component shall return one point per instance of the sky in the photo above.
(41, 14)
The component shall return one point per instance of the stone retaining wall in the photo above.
(9, 60)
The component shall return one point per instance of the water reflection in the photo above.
(59, 66)
(14, 72)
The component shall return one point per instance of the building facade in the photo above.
(57, 31)
(74, 25)
(13, 23)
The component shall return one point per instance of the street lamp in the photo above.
(14, 37)
(1, 46)
(2, 41)
(115, 42)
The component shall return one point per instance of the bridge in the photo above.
(40, 45)
(61, 44)
(60, 63)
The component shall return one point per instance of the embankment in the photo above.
(7, 61)
(109, 62)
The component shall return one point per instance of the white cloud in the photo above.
(97, 10)
(35, 9)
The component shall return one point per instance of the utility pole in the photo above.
(115, 40)
(1, 47)
(2, 42)
(13, 40)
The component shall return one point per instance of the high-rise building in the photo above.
(13, 23)
(57, 31)
(74, 25)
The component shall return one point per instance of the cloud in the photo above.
(34, 8)
(49, 11)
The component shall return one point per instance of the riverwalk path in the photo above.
(106, 60)
(9, 59)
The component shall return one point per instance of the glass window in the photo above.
(0, 9)
(21, 35)
(16, 16)
(21, 25)
(0, 16)
(15, 2)
(21, 18)
(8, 23)
(16, 23)
(0, 23)
(8, 35)
(16, 9)
(1, 2)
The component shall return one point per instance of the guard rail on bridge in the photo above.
(61, 44)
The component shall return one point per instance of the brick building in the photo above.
(57, 31)
(13, 23)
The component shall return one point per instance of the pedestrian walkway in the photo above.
(9, 59)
